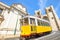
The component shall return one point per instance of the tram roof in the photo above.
(34, 17)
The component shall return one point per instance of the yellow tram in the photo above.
(33, 26)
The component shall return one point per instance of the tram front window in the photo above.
(24, 21)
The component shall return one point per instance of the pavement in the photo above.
(12, 39)
(52, 36)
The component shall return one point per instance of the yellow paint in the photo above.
(41, 29)
(26, 30)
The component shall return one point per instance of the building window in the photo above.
(1, 16)
(1, 11)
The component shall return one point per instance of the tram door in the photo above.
(33, 25)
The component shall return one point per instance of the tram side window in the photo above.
(33, 24)
(47, 24)
(32, 21)
(42, 23)
(39, 23)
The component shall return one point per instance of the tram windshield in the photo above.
(28, 21)
(24, 21)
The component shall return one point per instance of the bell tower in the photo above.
(53, 18)
(38, 13)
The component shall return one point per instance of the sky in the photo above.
(32, 5)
